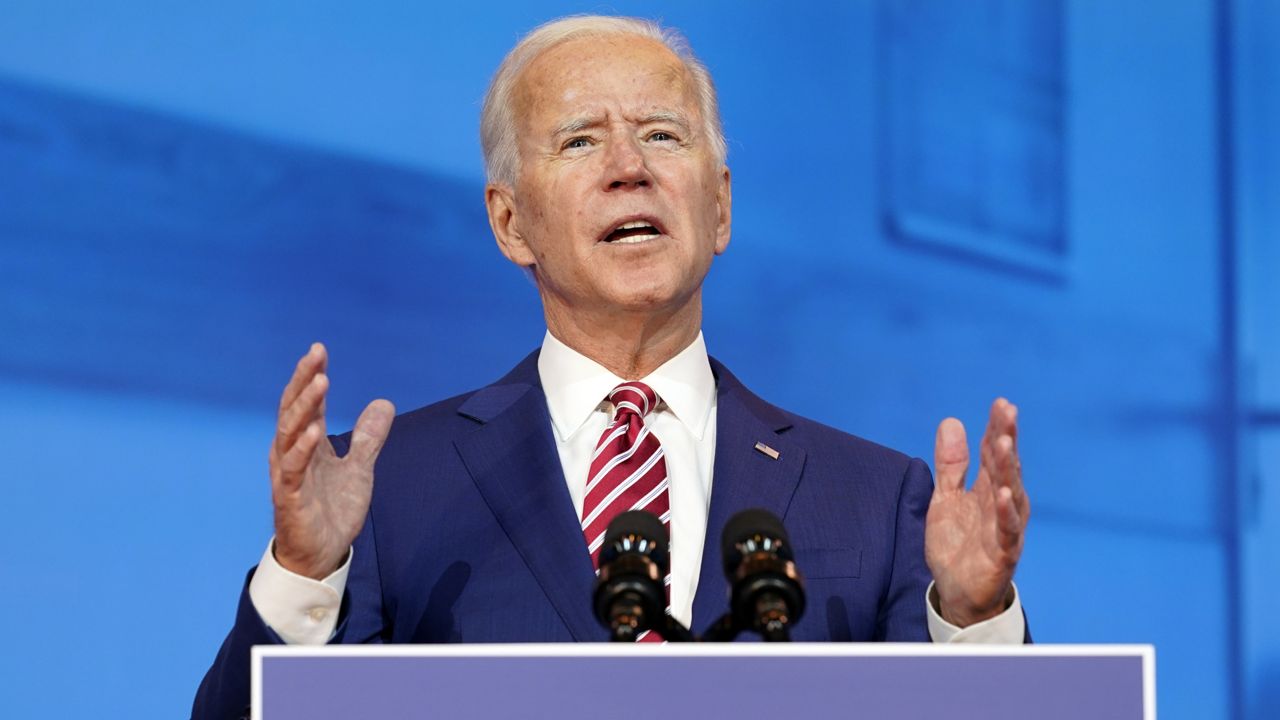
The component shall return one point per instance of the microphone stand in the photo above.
(673, 631)
(627, 617)
(722, 630)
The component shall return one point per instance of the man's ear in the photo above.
(724, 203)
(499, 201)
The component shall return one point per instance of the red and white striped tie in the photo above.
(628, 472)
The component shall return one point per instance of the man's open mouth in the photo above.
(635, 231)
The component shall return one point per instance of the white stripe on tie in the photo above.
(622, 487)
(631, 456)
(615, 461)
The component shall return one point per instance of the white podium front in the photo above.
(706, 681)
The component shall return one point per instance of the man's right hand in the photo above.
(320, 499)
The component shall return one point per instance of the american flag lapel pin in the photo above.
(766, 450)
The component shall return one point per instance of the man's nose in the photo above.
(626, 166)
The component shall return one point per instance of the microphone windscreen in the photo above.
(637, 524)
(749, 524)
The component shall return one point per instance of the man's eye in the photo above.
(578, 142)
(661, 136)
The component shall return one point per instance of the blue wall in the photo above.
(1069, 203)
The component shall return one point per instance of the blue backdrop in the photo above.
(1073, 204)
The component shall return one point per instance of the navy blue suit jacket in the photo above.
(472, 535)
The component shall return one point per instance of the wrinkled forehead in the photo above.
(602, 74)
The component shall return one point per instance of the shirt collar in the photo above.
(575, 385)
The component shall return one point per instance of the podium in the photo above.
(705, 681)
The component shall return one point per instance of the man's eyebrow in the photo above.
(666, 116)
(574, 125)
(578, 124)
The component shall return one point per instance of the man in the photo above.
(607, 181)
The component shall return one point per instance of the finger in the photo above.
(1001, 423)
(993, 468)
(306, 408)
(950, 456)
(1013, 480)
(1010, 523)
(315, 361)
(1011, 423)
(293, 464)
(371, 431)
(1002, 420)
(1008, 473)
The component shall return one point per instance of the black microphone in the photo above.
(630, 594)
(767, 593)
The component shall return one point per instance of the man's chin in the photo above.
(652, 301)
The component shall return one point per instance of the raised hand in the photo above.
(320, 499)
(973, 539)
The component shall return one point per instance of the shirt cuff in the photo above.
(1007, 628)
(300, 610)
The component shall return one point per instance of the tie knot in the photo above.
(632, 397)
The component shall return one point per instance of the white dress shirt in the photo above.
(684, 421)
(305, 612)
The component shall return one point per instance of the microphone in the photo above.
(767, 593)
(630, 594)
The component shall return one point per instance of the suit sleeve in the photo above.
(902, 609)
(224, 691)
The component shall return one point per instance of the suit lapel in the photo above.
(513, 461)
(743, 477)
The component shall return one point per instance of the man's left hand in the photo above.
(973, 538)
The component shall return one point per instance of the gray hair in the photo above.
(497, 118)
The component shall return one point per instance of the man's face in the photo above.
(620, 203)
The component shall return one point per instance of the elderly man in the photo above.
(607, 181)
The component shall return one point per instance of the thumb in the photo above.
(950, 456)
(371, 431)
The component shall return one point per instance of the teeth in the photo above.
(634, 238)
(631, 240)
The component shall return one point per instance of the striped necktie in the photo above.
(628, 472)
